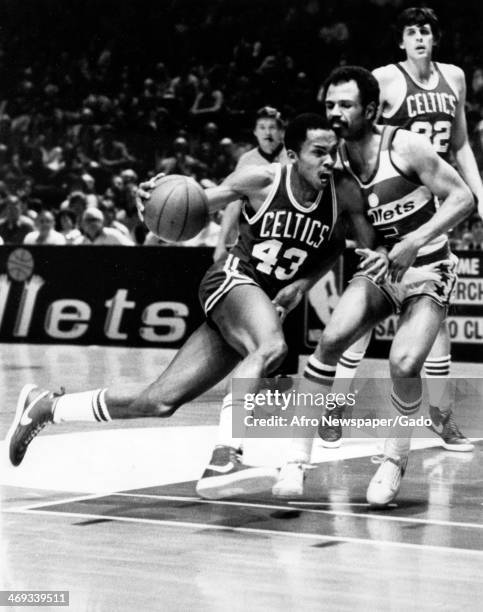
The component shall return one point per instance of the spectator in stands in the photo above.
(67, 226)
(475, 241)
(180, 162)
(225, 161)
(15, 226)
(208, 104)
(95, 233)
(89, 188)
(112, 154)
(77, 203)
(45, 232)
(185, 88)
(109, 211)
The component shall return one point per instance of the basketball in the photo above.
(177, 208)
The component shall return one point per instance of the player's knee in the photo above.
(405, 366)
(273, 351)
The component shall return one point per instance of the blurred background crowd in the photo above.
(96, 95)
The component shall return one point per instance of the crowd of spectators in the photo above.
(96, 96)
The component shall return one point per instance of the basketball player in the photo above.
(269, 133)
(289, 237)
(400, 176)
(428, 98)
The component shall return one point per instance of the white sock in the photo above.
(346, 370)
(437, 374)
(397, 448)
(318, 378)
(87, 406)
(225, 427)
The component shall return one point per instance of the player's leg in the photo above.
(419, 323)
(344, 375)
(346, 326)
(437, 369)
(203, 360)
(249, 322)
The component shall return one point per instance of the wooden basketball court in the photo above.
(110, 513)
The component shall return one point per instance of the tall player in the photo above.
(400, 176)
(289, 237)
(428, 98)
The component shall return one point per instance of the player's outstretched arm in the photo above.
(252, 182)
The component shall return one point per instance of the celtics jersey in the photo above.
(395, 203)
(428, 111)
(284, 239)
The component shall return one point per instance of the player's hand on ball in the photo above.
(143, 193)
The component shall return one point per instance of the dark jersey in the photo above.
(395, 203)
(427, 111)
(285, 239)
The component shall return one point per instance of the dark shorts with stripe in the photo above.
(219, 280)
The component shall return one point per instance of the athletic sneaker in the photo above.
(33, 413)
(385, 483)
(331, 434)
(290, 481)
(226, 476)
(446, 428)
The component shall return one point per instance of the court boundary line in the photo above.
(383, 517)
(251, 530)
(293, 506)
(68, 500)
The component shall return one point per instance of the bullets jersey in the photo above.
(395, 204)
(282, 241)
(427, 111)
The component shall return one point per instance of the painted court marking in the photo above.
(292, 506)
(291, 534)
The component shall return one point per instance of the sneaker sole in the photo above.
(284, 494)
(246, 482)
(327, 444)
(22, 398)
(467, 447)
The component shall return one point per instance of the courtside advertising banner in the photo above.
(120, 296)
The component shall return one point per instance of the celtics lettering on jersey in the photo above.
(427, 112)
(282, 240)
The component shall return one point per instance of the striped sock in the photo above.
(403, 407)
(317, 371)
(437, 372)
(87, 406)
(348, 364)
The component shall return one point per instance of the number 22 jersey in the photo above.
(427, 111)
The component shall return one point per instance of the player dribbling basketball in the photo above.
(290, 236)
